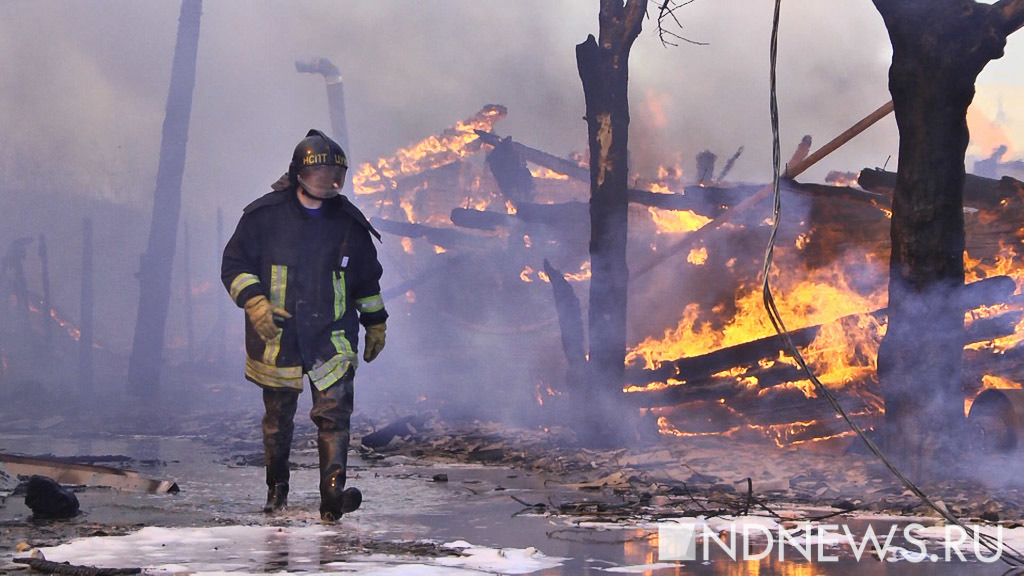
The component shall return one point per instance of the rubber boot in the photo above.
(332, 411)
(278, 427)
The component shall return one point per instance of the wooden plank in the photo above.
(85, 474)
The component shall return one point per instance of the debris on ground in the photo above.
(48, 499)
(71, 472)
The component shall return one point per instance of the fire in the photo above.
(439, 249)
(846, 352)
(739, 373)
(677, 221)
(654, 386)
(406, 204)
(669, 173)
(659, 188)
(697, 256)
(546, 174)
(988, 381)
(581, 275)
(822, 296)
(666, 427)
(548, 391)
(525, 274)
(427, 154)
(407, 245)
(804, 386)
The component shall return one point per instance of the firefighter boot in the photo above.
(278, 426)
(332, 410)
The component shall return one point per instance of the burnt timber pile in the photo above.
(475, 208)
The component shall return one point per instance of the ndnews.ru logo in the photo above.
(746, 541)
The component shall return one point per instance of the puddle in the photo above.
(215, 525)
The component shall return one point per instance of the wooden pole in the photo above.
(156, 263)
(85, 363)
(187, 274)
(44, 263)
(220, 334)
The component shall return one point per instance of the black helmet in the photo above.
(316, 149)
(319, 165)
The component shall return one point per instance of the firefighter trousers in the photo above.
(332, 412)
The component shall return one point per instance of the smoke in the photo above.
(83, 91)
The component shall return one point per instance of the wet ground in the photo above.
(409, 523)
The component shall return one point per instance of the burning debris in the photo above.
(521, 214)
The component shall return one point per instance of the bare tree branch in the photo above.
(1013, 14)
(668, 11)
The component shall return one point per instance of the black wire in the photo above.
(1014, 558)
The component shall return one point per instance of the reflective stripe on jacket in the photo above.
(323, 270)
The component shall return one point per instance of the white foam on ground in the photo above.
(262, 549)
(640, 568)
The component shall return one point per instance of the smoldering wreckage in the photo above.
(706, 376)
(468, 200)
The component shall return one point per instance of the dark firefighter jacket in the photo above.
(322, 270)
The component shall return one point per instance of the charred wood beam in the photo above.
(993, 327)
(1006, 363)
(695, 197)
(705, 167)
(794, 416)
(801, 152)
(538, 157)
(480, 219)
(729, 164)
(709, 201)
(978, 191)
(510, 171)
(873, 199)
(443, 237)
(570, 323)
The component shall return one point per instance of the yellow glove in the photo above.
(374, 341)
(261, 314)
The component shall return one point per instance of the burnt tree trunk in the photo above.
(44, 264)
(85, 359)
(604, 71)
(186, 268)
(939, 48)
(157, 261)
(220, 329)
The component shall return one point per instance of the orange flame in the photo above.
(677, 221)
(427, 154)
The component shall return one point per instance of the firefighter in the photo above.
(303, 266)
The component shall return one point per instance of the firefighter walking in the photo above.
(303, 266)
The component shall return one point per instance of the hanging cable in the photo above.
(996, 546)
